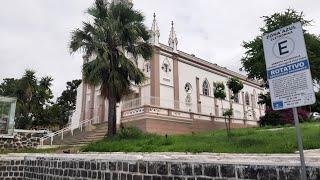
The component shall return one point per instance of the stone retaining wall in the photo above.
(145, 167)
(12, 167)
(20, 141)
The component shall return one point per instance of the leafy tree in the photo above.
(67, 101)
(57, 116)
(316, 106)
(265, 99)
(253, 61)
(235, 85)
(219, 93)
(32, 97)
(282, 117)
(115, 31)
(7, 87)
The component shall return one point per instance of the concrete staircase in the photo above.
(86, 136)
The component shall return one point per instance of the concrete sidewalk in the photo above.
(312, 157)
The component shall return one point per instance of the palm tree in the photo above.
(116, 30)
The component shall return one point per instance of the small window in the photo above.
(236, 98)
(188, 88)
(205, 88)
(147, 67)
(247, 99)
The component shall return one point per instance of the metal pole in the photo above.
(303, 164)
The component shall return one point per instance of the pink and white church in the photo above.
(177, 97)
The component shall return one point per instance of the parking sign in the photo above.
(288, 68)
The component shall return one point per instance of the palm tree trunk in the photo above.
(114, 127)
(111, 115)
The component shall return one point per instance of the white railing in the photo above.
(29, 131)
(171, 104)
(63, 131)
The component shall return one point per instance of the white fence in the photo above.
(155, 101)
(70, 129)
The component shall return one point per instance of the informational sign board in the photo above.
(288, 68)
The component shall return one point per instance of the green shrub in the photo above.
(129, 133)
(281, 117)
(166, 141)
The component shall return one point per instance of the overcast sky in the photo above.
(34, 34)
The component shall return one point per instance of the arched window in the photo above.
(205, 87)
(247, 98)
(236, 98)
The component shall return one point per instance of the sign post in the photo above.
(289, 74)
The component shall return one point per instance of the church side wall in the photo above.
(166, 82)
(188, 73)
(75, 119)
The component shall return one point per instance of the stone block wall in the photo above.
(12, 168)
(20, 141)
(89, 167)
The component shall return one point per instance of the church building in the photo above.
(178, 95)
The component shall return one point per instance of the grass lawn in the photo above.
(249, 140)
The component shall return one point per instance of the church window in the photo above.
(188, 88)
(253, 101)
(147, 67)
(236, 98)
(166, 66)
(247, 99)
(205, 88)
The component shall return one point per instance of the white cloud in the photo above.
(34, 34)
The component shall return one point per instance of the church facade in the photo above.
(177, 96)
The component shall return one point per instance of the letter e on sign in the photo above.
(283, 48)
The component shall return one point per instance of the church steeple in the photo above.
(154, 32)
(173, 40)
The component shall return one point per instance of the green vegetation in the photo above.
(253, 61)
(34, 100)
(249, 140)
(115, 30)
(235, 85)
